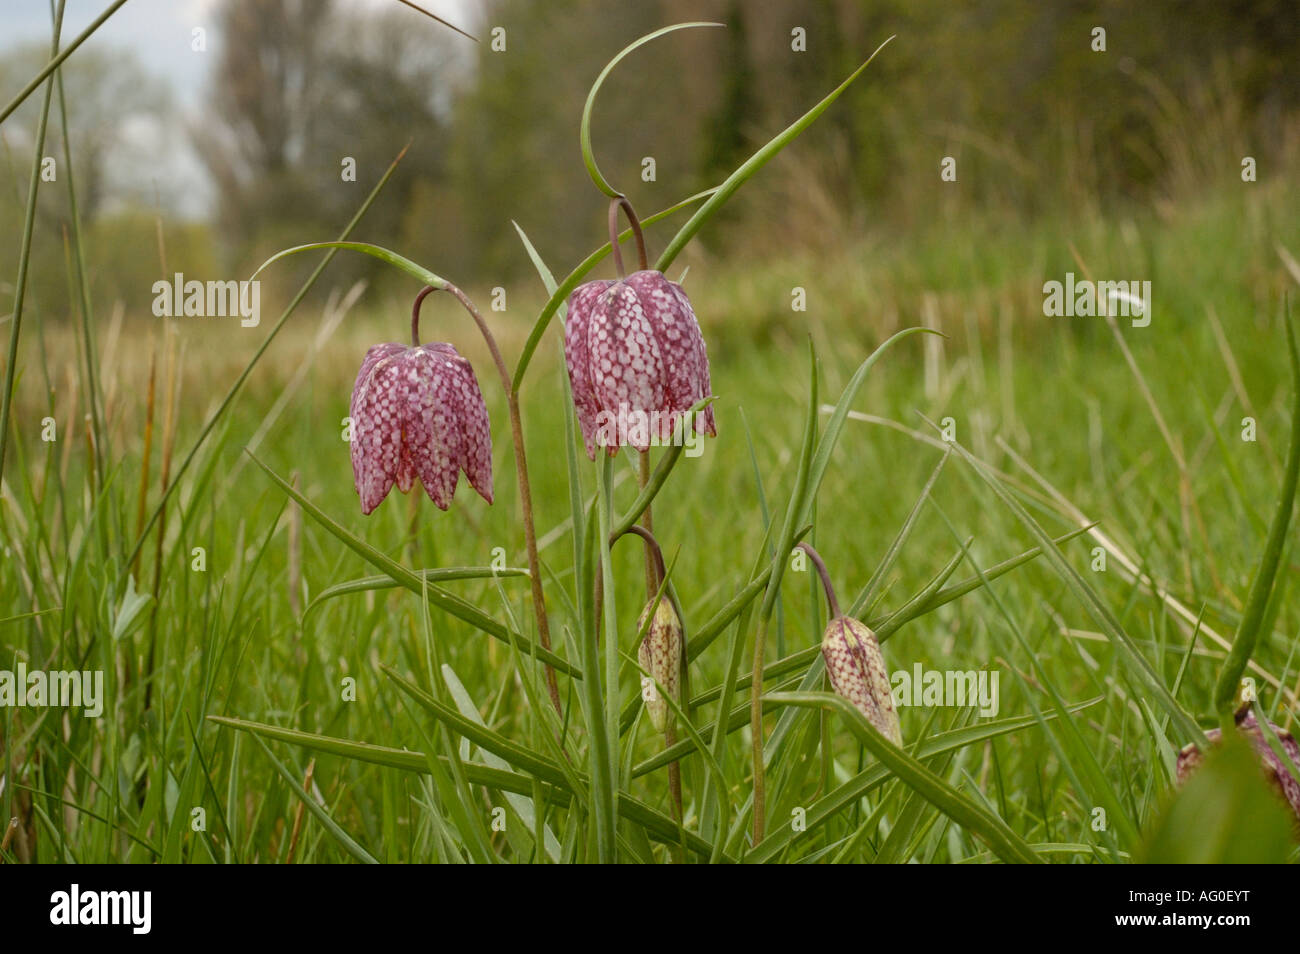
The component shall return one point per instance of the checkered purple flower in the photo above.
(857, 673)
(418, 412)
(634, 352)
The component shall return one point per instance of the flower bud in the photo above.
(660, 655)
(857, 672)
(1277, 771)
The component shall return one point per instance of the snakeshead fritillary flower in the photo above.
(1274, 768)
(636, 360)
(857, 672)
(418, 412)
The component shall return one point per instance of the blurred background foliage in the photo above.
(1042, 127)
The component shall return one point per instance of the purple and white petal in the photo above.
(627, 367)
(377, 430)
(458, 391)
(418, 413)
(686, 364)
(430, 429)
(577, 358)
(699, 358)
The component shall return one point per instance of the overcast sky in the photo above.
(159, 32)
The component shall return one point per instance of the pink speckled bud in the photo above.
(1277, 771)
(635, 355)
(660, 655)
(418, 412)
(857, 673)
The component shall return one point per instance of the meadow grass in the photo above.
(1065, 502)
(1050, 403)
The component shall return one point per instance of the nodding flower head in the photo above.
(1277, 771)
(636, 360)
(857, 672)
(418, 412)
(854, 663)
(660, 655)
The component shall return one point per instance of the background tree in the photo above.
(299, 88)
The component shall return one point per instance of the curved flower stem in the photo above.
(674, 778)
(832, 604)
(655, 568)
(415, 314)
(654, 553)
(621, 202)
(521, 468)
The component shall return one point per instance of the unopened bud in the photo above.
(660, 655)
(1274, 768)
(857, 672)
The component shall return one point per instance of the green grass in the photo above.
(414, 701)
(1057, 391)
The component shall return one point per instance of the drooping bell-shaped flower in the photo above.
(418, 412)
(857, 673)
(1276, 770)
(853, 661)
(637, 361)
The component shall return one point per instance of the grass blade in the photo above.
(370, 583)
(439, 597)
(1004, 842)
(56, 61)
(375, 251)
(235, 388)
(751, 165)
(1243, 645)
(25, 247)
(584, 130)
(322, 816)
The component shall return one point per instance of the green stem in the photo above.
(832, 604)
(604, 708)
(654, 553)
(656, 574)
(25, 246)
(54, 63)
(653, 572)
(615, 204)
(425, 292)
(756, 733)
(521, 468)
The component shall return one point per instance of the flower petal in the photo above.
(857, 673)
(430, 429)
(577, 358)
(377, 425)
(459, 392)
(373, 356)
(698, 356)
(627, 367)
(686, 363)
